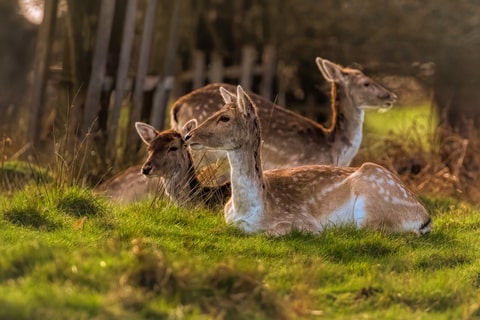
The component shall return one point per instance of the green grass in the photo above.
(68, 254)
(414, 124)
(14, 175)
(401, 119)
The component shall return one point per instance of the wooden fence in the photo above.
(164, 87)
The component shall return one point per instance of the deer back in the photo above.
(290, 139)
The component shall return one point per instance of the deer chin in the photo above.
(196, 146)
(380, 108)
(386, 107)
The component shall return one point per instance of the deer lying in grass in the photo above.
(289, 138)
(169, 159)
(307, 198)
(129, 186)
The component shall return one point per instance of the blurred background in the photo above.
(76, 74)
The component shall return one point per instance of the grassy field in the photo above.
(70, 254)
(412, 127)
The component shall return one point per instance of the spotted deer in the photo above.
(290, 139)
(307, 198)
(169, 159)
(129, 186)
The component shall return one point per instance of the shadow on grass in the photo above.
(30, 218)
(79, 206)
(441, 260)
(15, 175)
(225, 292)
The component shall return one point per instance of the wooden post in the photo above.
(142, 69)
(248, 63)
(122, 73)
(74, 65)
(198, 77)
(269, 61)
(215, 72)
(160, 99)
(95, 84)
(40, 75)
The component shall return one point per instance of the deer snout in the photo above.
(389, 99)
(393, 97)
(147, 169)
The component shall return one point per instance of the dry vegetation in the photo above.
(440, 163)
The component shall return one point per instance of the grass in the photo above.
(70, 254)
(410, 122)
(67, 253)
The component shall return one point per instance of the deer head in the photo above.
(364, 92)
(167, 153)
(219, 131)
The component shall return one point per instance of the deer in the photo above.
(308, 198)
(129, 186)
(291, 139)
(168, 158)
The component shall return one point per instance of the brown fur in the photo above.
(169, 159)
(290, 139)
(129, 186)
(308, 197)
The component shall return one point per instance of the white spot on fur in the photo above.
(404, 192)
(343, 214)
(329, 189)
(359, 213)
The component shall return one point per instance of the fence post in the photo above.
(198, 69)
(122, 73)
(43, 49)
(215, 72)
(97, 75)
(164, 87)
(143, 58)
(269, 60)
(248, 62)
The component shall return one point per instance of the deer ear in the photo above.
(330, 71)
(227, 96)
(243, 101)
(189, 126)
(146, 132)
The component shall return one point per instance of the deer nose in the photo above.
(146, 169)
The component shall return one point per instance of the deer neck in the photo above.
(182, 185)
(247, 202)
(349, 125)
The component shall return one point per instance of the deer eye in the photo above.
(172, 149)
(366, 84)
(224, 119)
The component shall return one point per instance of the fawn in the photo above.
(129, 186)
(169, 159)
